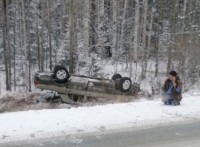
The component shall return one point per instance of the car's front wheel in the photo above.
(125, 84)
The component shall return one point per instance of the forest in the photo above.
(88, 34)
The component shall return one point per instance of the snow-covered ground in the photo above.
(142, 113)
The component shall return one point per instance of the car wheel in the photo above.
(125, 84)
(117, 78)
(61, 74)
(55, 68)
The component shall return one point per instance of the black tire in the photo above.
(125, 84)
(117, 78)
(55, 68)
(61, 74)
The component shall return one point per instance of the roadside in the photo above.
(38, 100)
(36, 124)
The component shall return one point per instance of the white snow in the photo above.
(143, 113)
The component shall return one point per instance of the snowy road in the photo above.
(177, 135)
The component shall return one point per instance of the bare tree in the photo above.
(63, 14)
(4, 8)
(9, 46)
(123, 24)
(25, 46)
(14, 52)
(173, 22)
(49, 34)
(93, 26)
(149, 36)
(37, 34)
(101, 28)
(134, 51)
(41, 36)
(115, 34)
(183, 50)
(73, 36)
(144, 36)
(86, 22)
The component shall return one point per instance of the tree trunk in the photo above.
(93, 27)
(72, 37)
(49, 34)
(5, 46)
(25, 47)
(115, 34)
(37, 34)
(86, 27)
(144, 36)
(9, 48)
(137, 17)
(86, 31)
(14, 54)
(134, 51)
(156, 49)
(28, 50)
(123, 25)
(101, 29)
(149, 37)
(183, 50)
(173, 22)
(63, 14)
(41, 33)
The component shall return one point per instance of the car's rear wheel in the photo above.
(125, 84)
(61, 74)
(117, 78)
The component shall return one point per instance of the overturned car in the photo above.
(73, 87)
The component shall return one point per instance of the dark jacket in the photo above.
(176, 95)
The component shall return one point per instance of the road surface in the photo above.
(176, 135)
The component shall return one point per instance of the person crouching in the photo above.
(171, 89)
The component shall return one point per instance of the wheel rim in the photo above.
(61, 74)
(126, 84)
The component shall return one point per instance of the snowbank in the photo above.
(50, 123)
